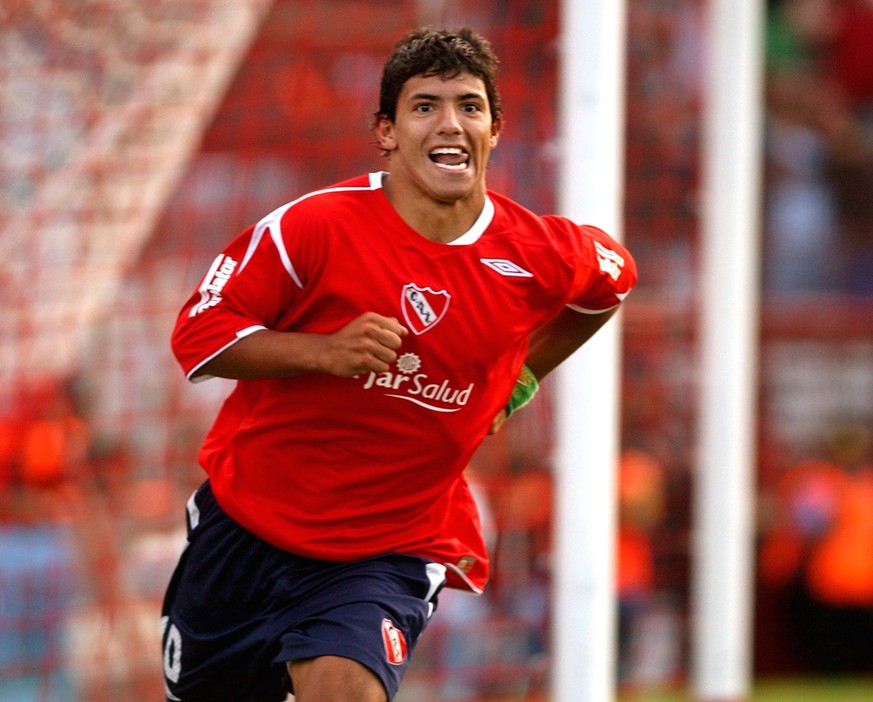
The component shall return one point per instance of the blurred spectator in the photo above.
(525, 513)
(42, 457)
(819, 223)
(818, 553)
(647, 626)
(54, 444)
(42, 462)
(800, 223)
(490, 645)
(640, 508)
(847, 51)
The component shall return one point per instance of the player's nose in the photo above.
(449, 122)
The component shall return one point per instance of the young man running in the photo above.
(379, 330)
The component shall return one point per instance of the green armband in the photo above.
(525, 388)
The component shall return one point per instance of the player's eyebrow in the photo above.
(436, 98)
(424, 96)
(471, 96)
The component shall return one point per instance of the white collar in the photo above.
(471, 236)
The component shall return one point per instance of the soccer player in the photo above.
(379, 329)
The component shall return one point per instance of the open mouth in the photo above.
(451, 158)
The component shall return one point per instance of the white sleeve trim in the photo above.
(582, 310)
(241, 334)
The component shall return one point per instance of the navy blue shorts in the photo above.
(237, 609)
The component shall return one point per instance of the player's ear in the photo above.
(386, 138)
(496, 128)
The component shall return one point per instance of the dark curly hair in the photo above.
(438, 52)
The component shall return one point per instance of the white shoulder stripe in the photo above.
(273, 222)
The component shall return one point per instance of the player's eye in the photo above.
(470, 107)
(424, 107)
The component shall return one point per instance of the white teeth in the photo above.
(450, 151)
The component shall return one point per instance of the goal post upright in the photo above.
(723, 519)
(590, 186)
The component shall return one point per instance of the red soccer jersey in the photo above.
(346, 468)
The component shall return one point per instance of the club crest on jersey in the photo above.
(423, 307)
(395, 643)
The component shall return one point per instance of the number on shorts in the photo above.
(172, 650)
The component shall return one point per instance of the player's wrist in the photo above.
(526, 386)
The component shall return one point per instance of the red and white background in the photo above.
(136, 138)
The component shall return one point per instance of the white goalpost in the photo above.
(728, 324)
(591, 130)
(591, 175)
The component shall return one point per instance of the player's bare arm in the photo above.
(556, 341)
(367, 343)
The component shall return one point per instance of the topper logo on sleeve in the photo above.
(213, 283)
(423, 307)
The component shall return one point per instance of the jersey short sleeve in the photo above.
(246, 288)
(604, 270)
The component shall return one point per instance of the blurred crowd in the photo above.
(815, 596)
(86, 543)
(819, 188)
(816, 556)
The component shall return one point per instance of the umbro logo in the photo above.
(506, 267)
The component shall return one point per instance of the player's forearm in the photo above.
(269, 354)
(368, 343)
(555, 341)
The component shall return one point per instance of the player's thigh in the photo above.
(334, 679)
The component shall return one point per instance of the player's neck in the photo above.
(442, 222)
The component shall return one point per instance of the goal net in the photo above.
(103, 104)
